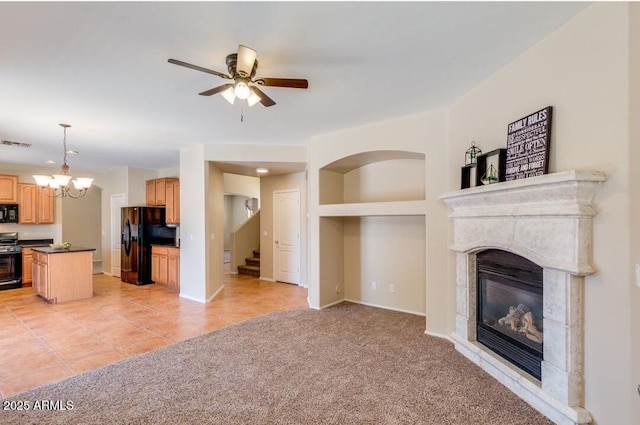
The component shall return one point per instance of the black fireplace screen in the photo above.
(510, 308)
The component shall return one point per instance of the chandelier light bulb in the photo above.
(61, 183)
(242, 90)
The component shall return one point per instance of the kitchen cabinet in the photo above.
(157, 190)
(46, 205)
(173, 202)
(173, 267)
(165, 265)
(61, 275)
(37, 205)
(27, 262)
(40, 273)
(8, 189)
(28, 203)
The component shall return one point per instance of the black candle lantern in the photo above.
(472, 153)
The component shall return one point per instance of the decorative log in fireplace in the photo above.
(510, 308)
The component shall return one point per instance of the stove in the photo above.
(10, 261)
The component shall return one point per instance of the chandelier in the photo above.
(61, 183)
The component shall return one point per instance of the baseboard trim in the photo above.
(385, 307)
(330, 305)
(442, 336)
(268, 279)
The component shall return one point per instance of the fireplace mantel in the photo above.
(549, 220)
(546, 219)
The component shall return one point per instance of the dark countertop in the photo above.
(49, 250)
(34, 242)
(165, 245)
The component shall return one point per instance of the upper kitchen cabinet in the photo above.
(8, 189)
(46, 205)
(157, 190)
(37, 205)
(173, 202)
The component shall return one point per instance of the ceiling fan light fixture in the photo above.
(241, 90)
(229, 95)
(253, 99)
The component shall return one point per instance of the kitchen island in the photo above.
(61, 275)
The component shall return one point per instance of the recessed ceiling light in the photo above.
(72, 152)
(262, 170)
(51, 161)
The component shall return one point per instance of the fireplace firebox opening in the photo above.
(510, 308)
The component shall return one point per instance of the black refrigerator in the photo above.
(141, 227)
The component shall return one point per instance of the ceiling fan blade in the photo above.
(215, 90)
(284, 82)
(246, 59)
(264, 99)
(198, 68)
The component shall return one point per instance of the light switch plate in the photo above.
(638, 275)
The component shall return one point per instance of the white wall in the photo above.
(582, 71)
(193, 241)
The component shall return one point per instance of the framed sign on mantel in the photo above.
(528, 141)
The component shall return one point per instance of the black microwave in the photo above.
(8, 213)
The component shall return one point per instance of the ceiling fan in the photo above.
(242, 67)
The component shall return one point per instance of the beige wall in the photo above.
(81, 221)
(387, 251)
(236, 184)
(392, 180)
(582, 71)
(214, 229)
(267, 186)
(235, 213)
(424, 279)
(634, 193)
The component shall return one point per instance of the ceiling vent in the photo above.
(17, 144)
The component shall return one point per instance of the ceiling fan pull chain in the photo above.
(241, 114)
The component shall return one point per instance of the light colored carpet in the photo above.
(348, 364)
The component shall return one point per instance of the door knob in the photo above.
(277, 242)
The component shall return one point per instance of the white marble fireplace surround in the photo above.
(548, 220)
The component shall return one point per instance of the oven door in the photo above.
(10, 270)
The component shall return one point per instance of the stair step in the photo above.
(252, 261)
(250, 270)
(256, 253)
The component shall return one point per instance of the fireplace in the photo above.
(510, 309)
(544, 224)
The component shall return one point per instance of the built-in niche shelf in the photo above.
(361, 198)
(397, 208)
(373, 183)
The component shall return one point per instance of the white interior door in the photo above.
(286, 235)
(117, 202)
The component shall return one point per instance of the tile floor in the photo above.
(42, 343)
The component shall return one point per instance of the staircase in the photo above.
(252, 265)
